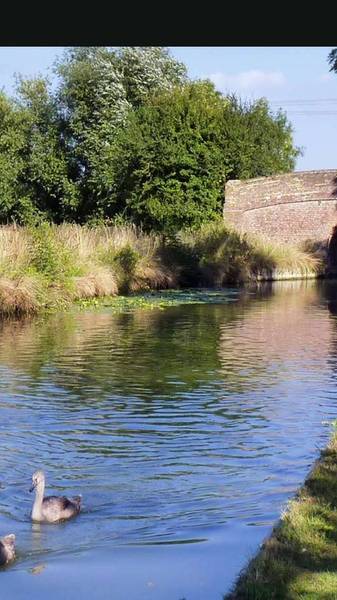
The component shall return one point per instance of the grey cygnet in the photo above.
(52, 508)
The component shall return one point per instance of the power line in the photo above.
(312, 113)
(308, 107)
(304, 101)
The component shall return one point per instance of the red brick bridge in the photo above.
(292, 207)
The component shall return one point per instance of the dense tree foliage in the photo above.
(176, 152)
(125, 133)
(13, 141)
(35, 173)
(169, 164)
(98, 88)
(48, 166)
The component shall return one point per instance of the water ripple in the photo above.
(172, 424)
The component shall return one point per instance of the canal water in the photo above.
(186, 430)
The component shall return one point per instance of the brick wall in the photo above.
(292, 207)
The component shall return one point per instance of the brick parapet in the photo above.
(291, 207)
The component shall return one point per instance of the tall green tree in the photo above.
(35, 178)
(177, 150)
(169, 164)
(14, 127)
(48, 170)
(98, 88)
(257, 142)
(146, 70)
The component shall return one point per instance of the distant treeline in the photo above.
(123, 135)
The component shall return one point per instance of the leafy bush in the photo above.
(48, 255)
(175, 153)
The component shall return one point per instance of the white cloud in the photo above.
(248, 80)
(327, 77)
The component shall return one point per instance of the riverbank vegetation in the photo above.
(299, 560)
(112, 180)
(50, 266)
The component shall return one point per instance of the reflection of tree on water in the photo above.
(141, 353)
(145, 353)
(95, 355)
(191, 367)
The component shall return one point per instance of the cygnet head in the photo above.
(37, 479)
(7, 548)
(8, 540)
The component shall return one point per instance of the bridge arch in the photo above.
(332, 252)
(291, 207)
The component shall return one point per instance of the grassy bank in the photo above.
(299, 560)
(51, 266)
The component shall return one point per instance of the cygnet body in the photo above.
(7, 548)
(52, 508)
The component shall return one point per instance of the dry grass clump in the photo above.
(81, 241)
(87, 242)
(14, 249)
(136, 261)
(284, 257)
(20, 296)
(99, 282)
(152, 277)
(157, 276)
(126, 251)
(225, 255)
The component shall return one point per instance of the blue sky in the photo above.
(296, 79)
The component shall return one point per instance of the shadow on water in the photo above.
(174, 424)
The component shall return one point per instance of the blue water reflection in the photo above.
(186, 430)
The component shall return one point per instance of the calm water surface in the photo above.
(186, 430)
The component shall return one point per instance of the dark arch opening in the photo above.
(332, 252)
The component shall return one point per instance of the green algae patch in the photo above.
(299, 560)
(157, 300)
